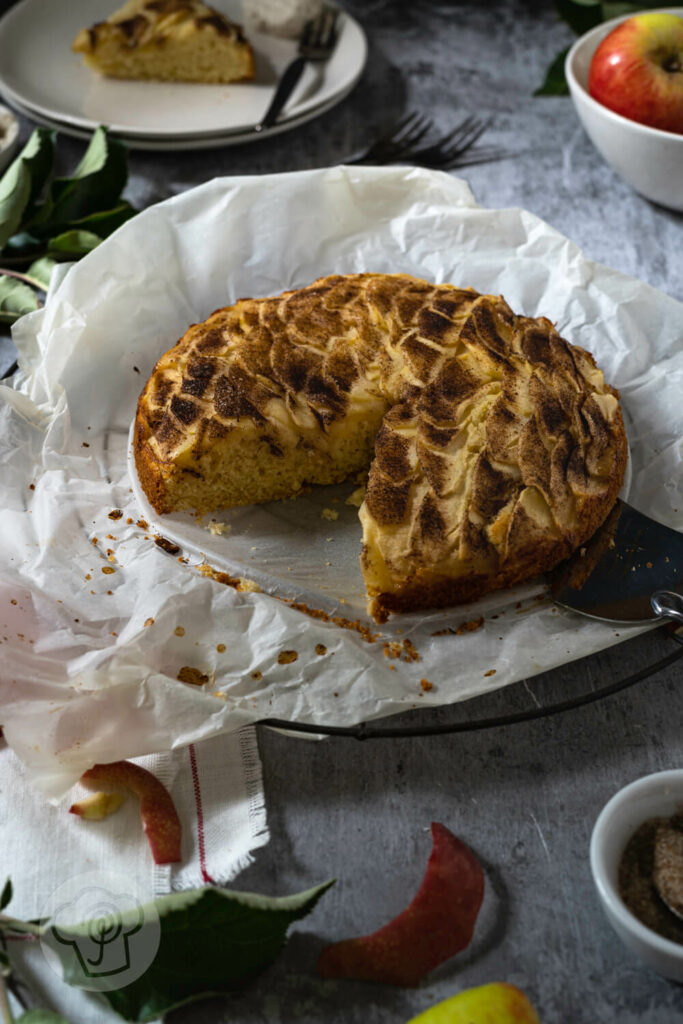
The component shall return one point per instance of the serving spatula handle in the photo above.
(668, 605)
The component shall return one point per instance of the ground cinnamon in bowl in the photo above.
(652, 864)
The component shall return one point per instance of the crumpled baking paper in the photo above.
(97, 621)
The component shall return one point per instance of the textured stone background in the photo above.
(525, 797)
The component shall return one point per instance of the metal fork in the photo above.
(447, 151)
(396, 143)
(317, 43)
(452, 150)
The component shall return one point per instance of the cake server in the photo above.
(630, 571)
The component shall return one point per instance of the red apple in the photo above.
(637, 71)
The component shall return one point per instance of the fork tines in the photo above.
(398, 141)
(454, 145)
(320, 32)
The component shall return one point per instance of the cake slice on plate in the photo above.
(167, 40)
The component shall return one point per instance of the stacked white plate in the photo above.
(41, 77)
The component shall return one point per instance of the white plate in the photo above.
(174, 143)
(39, 70)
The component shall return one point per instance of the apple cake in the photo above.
(168, 40)
(495, 448)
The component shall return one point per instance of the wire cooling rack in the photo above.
(370, 731)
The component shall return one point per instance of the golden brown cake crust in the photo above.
(498, 447)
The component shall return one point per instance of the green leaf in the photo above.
(555, 84)
(41, 1017)
(72, 244)
(16, 298)
(616, 10)
(97, 182)
(95, 185)
(105, 222)
(21, 243)
(41, 271)
(6, 894)
(580, 15)
(22, 182)
(212, 940)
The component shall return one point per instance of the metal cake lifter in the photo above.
(630, 571)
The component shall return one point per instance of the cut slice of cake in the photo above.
(167, 40)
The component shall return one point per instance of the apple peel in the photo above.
(159, 817)
(437, 924)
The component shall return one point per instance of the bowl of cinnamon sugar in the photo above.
(636, 858)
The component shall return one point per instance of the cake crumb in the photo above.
(220, 648)
(239, 583)
(464, 627)
(410, 651)
(149, 622)
(166, 545)
(491, 672)
(179, 631)
(218, 529)
(320, 649)
(287, 657)
(192, 676)
(116, 513)
(356, 497)
(426, 685)
(330, 513)
(257, 675)
(143, 524)
(107, 569)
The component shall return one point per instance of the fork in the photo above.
(317, 43)
(447, 151)
(396, 143)
(452, 150)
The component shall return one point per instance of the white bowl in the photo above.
(649, 159)
(658, 795)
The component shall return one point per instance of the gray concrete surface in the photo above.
(526, 796)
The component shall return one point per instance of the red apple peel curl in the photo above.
(437, 924)
(159, 817)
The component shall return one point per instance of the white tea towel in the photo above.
(217, 790)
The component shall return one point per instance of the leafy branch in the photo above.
(46, 220)
(211, 941)
(582, 16)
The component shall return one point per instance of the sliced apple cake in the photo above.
(168, 40)
(495, 448)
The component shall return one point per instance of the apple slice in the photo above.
(437, 924)
(97, 806)
(159, 817)
(497, 1003)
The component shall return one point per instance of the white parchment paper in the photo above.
(89, 656)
